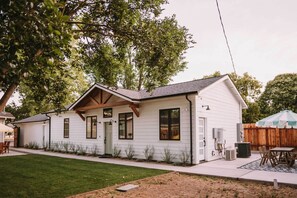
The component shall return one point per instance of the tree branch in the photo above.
(8, 93)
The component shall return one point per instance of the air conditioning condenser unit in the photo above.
(230, 154)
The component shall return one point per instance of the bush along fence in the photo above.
(269, 137)
(182, 158)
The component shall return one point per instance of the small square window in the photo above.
(107, 113)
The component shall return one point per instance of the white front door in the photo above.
(202, 141)
(108, 138)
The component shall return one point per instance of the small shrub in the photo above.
(168, 157)
(32, 145)
(184, 157)
(130, 152)
(56, 146)
(81, 150)
(116, 152)
(77, 149)
(46, 147)
(149, 152)
(72, 148)
(60, 147)
(66, 147)
(94, 150)
(35, 146)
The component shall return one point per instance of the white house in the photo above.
(197, 116)
(33, 130)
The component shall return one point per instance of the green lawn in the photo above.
(44, 176)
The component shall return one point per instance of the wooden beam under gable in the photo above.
(103, 105)
(101, 96)
(107, 99)
(134, 108)
(94, 100)
(80, 115)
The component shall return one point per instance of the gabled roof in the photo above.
(36, 118)
(183, 88)
(4, 114)
(190, 87)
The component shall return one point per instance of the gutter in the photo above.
(191, 130)
(49, 130)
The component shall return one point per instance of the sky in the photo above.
(262, 36)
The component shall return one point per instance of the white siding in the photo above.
(146, 128)
(225, 112)
(77, 129)
(33, 132)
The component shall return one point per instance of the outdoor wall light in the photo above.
(111, 121)
(207, 107)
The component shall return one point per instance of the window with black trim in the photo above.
(170, 124)
(91, 127)
(126, 126)
(66, 127)
(107, 113)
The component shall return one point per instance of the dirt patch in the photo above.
(182, 185)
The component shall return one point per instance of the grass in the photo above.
(44, 176)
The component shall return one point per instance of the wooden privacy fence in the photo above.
(269, 137)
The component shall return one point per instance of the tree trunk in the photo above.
(8, 93)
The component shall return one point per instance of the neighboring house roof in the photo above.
(4, 114)
(183, 88)
(36, 118)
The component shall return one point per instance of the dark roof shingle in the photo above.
(36, 118)
(165, 91)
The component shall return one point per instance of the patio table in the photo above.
(284, 154)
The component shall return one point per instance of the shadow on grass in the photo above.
(45, 176)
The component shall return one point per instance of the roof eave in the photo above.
(168, 96)
(105, 89)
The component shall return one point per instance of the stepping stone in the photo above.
(127, 187)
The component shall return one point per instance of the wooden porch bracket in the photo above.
(107, 99)
(114, 104)
(94, 100)
(80, 115)
(134, 108)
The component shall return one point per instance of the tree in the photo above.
(279, 94)
(36, 41)
(250, 89)
(149, 60)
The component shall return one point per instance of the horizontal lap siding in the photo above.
(225, 112)
(33, 132)
(77, 130)
(146, 128)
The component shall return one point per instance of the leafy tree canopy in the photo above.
(250, 89)
(120, 43)
(279, 94)
(248, 86)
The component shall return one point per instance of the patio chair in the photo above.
(292, 159)
(267, 155)
(6, 146)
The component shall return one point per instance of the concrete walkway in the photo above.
(219, 168)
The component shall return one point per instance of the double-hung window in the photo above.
(66, 127)
(126, 126)
(91, 127)
(170, 124)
